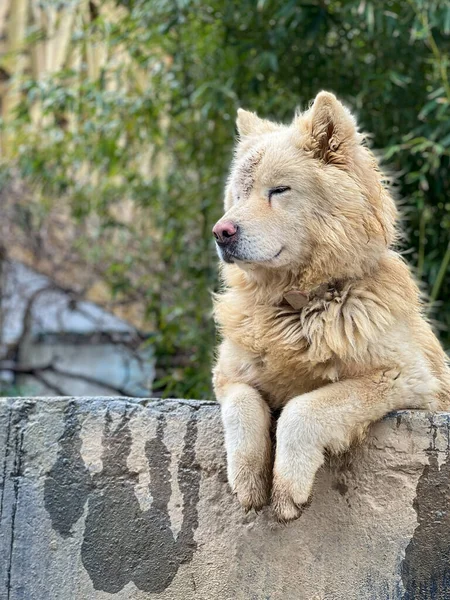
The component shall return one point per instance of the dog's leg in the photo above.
(246, 419)
(331, 418)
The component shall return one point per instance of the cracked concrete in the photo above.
(122, 498)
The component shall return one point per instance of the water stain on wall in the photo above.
(68, 483)
(123, 543)
(14, 450)
(426, 567)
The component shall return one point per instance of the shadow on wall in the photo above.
(426, 567)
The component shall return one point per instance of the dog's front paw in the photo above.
(299, 455)
(251, 483)
(289, 498)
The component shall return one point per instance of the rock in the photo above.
(122, 498)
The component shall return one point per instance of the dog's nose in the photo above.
(225, 232)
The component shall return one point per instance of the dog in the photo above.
(320, 317)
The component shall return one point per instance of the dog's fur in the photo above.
(359, 348)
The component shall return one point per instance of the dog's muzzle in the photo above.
(226, 234)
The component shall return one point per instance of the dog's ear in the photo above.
(248, 123)
(330, 130)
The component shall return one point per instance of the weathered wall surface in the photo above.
(123, 499)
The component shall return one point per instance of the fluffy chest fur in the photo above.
(282, 351)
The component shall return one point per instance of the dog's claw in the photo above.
(251, 489)
(284, 506)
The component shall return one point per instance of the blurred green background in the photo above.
(117, 132)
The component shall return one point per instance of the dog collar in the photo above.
(327, 291)
(296, 299)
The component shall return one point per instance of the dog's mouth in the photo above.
(230, 256)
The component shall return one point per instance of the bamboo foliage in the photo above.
(50, 54)
(53, 25)
(54, 52)
(4, 8)
(15, 16)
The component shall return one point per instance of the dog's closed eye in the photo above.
(276, 191)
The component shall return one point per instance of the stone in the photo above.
(122, 498)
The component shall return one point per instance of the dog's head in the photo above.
(306, 193)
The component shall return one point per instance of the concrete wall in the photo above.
(124, 499)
